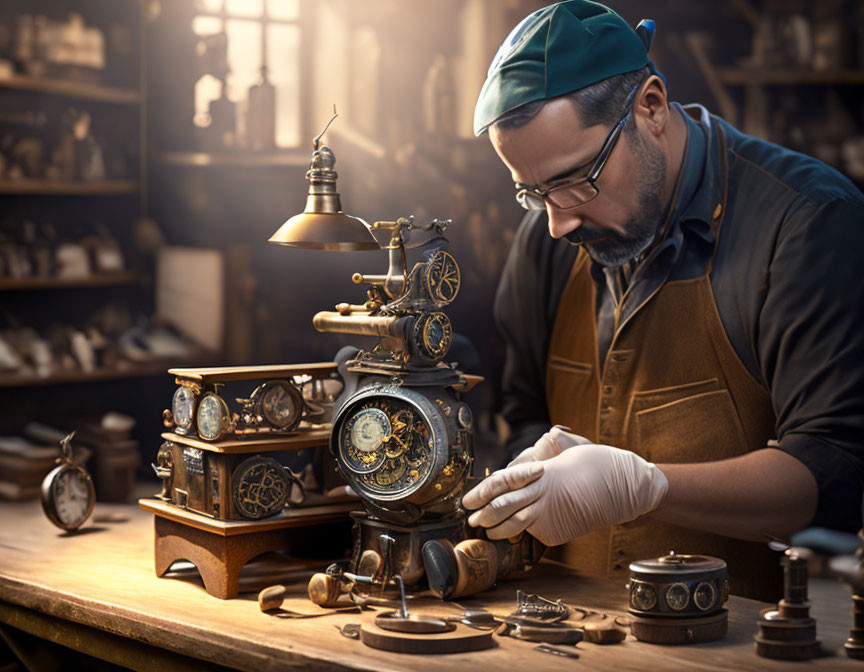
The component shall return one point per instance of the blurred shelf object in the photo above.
(236, 160)
(142, 370)
(68, 188)
(95, 280)
(793, 77)
(72, 89)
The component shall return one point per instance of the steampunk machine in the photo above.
(225, 497)
(402, 436)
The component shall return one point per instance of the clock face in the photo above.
(386, 443)
(71, 497)
(212, 417)
(183, 407)
(281, 404)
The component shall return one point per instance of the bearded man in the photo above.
(683, 310)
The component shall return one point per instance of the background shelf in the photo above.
(72, 89)
(98, 280)
(740, 76)
(155, 368)
(69, 188)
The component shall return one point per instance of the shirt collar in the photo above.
(694, 207)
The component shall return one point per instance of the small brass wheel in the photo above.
(443, 278)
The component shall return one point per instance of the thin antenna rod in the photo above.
(321, 134)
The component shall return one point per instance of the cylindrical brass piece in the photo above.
(325, 589)
(364, 325)
(271, 597)
(359, 279)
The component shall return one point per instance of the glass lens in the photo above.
(643, 596)
(703, 596)
(182, 407)
(278, 406)
(677, 596)
(571, 195)
(210, 413)
(529, 200)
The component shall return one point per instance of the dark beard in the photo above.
(612, 249)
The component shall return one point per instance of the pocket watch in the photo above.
(68, 494)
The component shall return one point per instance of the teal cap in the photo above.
(556, 50)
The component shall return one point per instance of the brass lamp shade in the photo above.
(322, 225)
(325, 231)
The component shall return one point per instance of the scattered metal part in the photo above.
(404, 610)
(535, 606)
(565, 651)
(350, 630)
(287, 613)
(532, 630)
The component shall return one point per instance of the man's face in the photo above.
(621, 221)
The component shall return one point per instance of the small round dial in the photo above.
(643, 596)
(677, 596)
(213, 418)
(183, 407)
(432, 335)
(362, 444)
(390, 472)
(369, 429)
(281, 404)
(703, 596)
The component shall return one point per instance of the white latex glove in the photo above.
(567, 495)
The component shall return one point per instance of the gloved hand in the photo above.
(568, 494)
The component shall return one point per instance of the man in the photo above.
(693, 318)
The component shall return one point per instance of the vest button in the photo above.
(608, 389)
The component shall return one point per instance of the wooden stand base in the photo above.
(662, 630)
(219, 549)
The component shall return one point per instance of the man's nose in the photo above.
(562, 222)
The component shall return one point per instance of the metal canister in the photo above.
(678, 586)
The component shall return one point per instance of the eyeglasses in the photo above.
(568, 193)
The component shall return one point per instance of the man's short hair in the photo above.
(599, 103)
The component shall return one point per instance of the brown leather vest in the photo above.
(672, 390)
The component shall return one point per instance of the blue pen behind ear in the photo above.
(645, 31)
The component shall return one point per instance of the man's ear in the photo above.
(651, 105)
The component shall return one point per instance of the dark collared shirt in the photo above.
(787, 278)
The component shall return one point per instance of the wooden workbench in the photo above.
(97, 592)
